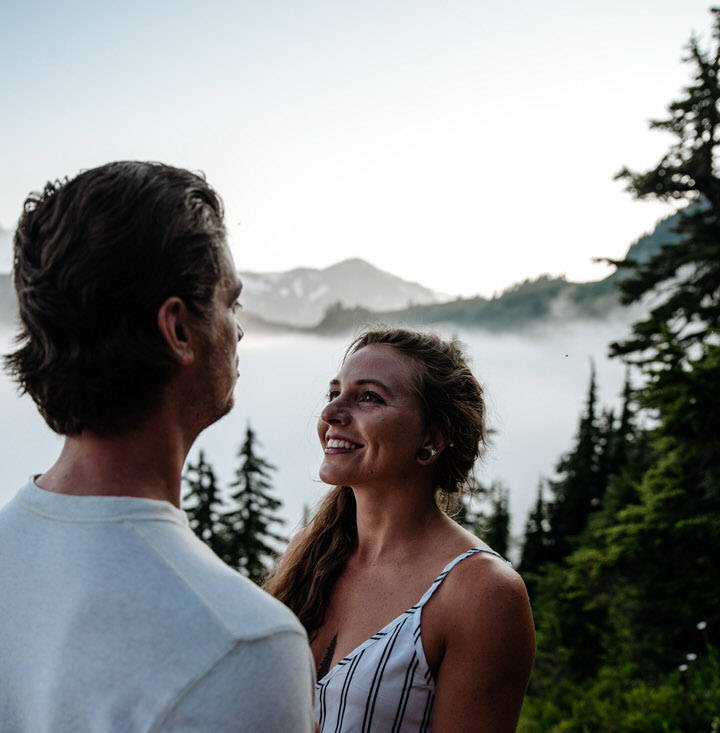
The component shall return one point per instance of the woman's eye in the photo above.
(370, 397)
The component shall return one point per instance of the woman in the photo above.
(415, 624)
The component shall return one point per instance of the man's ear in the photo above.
(174, 323)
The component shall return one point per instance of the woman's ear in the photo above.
(433, 446)
(173, 320)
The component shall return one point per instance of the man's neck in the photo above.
(144, 462)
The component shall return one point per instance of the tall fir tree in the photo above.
(534, 553)
(627, 456)
(620, 612)
(674, 531)
(496, 525)
(687, 313)
(248, 535)
(579, 488)
(204, 504)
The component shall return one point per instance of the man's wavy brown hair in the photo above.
(94, 258)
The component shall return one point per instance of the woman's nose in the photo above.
(334, 412)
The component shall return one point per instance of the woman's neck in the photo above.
(395, 522)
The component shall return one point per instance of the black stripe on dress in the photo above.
(321, 697)
(427, 715)
(377, 677)
(405, 693)
(344, 692)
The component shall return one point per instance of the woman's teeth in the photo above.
(347, 445)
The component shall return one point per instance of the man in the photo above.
(113, 615)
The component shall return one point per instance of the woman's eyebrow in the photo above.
(384, 386)
(361, 382)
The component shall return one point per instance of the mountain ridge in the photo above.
(345, 295)
(524, 305)
(301, 296)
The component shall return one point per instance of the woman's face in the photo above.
(372, 427)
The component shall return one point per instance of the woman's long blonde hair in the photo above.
(452, 401)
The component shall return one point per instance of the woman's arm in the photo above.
(489, 648)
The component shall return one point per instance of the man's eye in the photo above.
(236, 308)
(332, 394)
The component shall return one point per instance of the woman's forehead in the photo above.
(380, 361)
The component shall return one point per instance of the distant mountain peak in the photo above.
(301, 296)
(351, 262)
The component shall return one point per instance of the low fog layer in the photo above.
(535, 383)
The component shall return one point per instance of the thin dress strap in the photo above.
(437, 582)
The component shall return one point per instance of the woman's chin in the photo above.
(330, 476)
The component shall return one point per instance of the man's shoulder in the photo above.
(228, 599)
(247, 610)
(139, 554)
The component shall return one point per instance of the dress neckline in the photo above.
(405, 614)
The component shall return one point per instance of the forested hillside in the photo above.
(621, 550)
(521, 306)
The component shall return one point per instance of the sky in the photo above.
(466, 145)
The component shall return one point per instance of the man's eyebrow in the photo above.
(236, 290)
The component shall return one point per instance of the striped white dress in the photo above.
(384, 685)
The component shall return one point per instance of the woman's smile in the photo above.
(340, 444)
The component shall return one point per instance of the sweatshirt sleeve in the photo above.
(264, 686)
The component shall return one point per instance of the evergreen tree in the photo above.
(204, 503)
(248, 525)
(617, 615)
(621, 439)
(628, 455)
(687, 313)
(674, 531)
(535, 540)
(496, 526)
(581, 484)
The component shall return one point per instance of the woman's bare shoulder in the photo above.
(484, 620)
(485, 600)
(482, 581)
